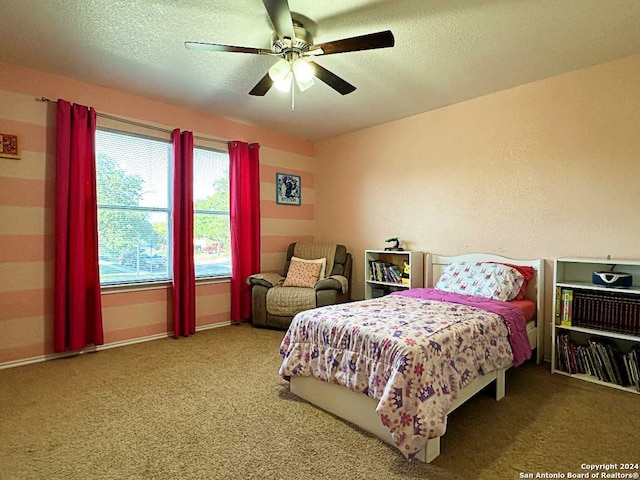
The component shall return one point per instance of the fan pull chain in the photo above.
(293, 89)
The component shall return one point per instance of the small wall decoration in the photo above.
(9, 146)
(288, 189)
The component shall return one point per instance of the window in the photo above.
(211, 228)
(134, 207)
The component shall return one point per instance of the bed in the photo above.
(399, 380)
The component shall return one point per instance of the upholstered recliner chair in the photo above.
(316, 274)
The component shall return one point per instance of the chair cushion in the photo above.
(303, 273)
(287, 301)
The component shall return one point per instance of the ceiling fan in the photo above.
(294, 46)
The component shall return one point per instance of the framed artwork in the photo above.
(288, 189)
(9, 146)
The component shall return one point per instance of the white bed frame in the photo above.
(360, 409)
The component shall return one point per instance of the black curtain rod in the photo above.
(139, 124)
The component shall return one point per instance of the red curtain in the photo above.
(244, 192)
(77, 304)
(184, 278)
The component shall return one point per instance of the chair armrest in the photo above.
(267, 279)
(334, 282)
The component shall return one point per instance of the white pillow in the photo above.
(322, 261)
(488, 280)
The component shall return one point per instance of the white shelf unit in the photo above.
(416, 266)
(619, 326)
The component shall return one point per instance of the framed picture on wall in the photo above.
(9, 146)
(288, 189)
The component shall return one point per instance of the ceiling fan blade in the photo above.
(338, 84)
(214, 47)
(280, 16)
(364, 42)
(262, 87)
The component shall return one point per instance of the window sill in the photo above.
(158, 285)
(212, 280)
(134, 287)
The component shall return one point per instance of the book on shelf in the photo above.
(613, 362)
(606, 311)
(380, 271)
(567, 308)
(634, 366)
(395, 272)
(601, 359)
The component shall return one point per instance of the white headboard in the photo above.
(434, 264)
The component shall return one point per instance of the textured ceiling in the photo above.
(446, 51)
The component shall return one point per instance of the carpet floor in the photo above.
(212, 406)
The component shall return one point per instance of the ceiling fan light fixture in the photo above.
(304, 85)
(284, 84)
(293, 43)
(280, 71)
(302, 70)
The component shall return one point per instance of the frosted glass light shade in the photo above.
(284, 84)
(280, 70)
(302, 70)
(304, 85)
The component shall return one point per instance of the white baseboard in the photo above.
(212, 325)
(121, 343)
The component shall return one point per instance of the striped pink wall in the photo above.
(27, 203)
(283, 224)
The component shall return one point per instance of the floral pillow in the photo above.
(488, 280)
(303, 273)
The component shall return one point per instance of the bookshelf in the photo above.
(596, 328)
(377, 279)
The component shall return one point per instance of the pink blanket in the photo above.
(513, 316)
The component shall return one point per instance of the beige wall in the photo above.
(27, 201)
(543, 170)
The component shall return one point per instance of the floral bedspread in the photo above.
(411, 354)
